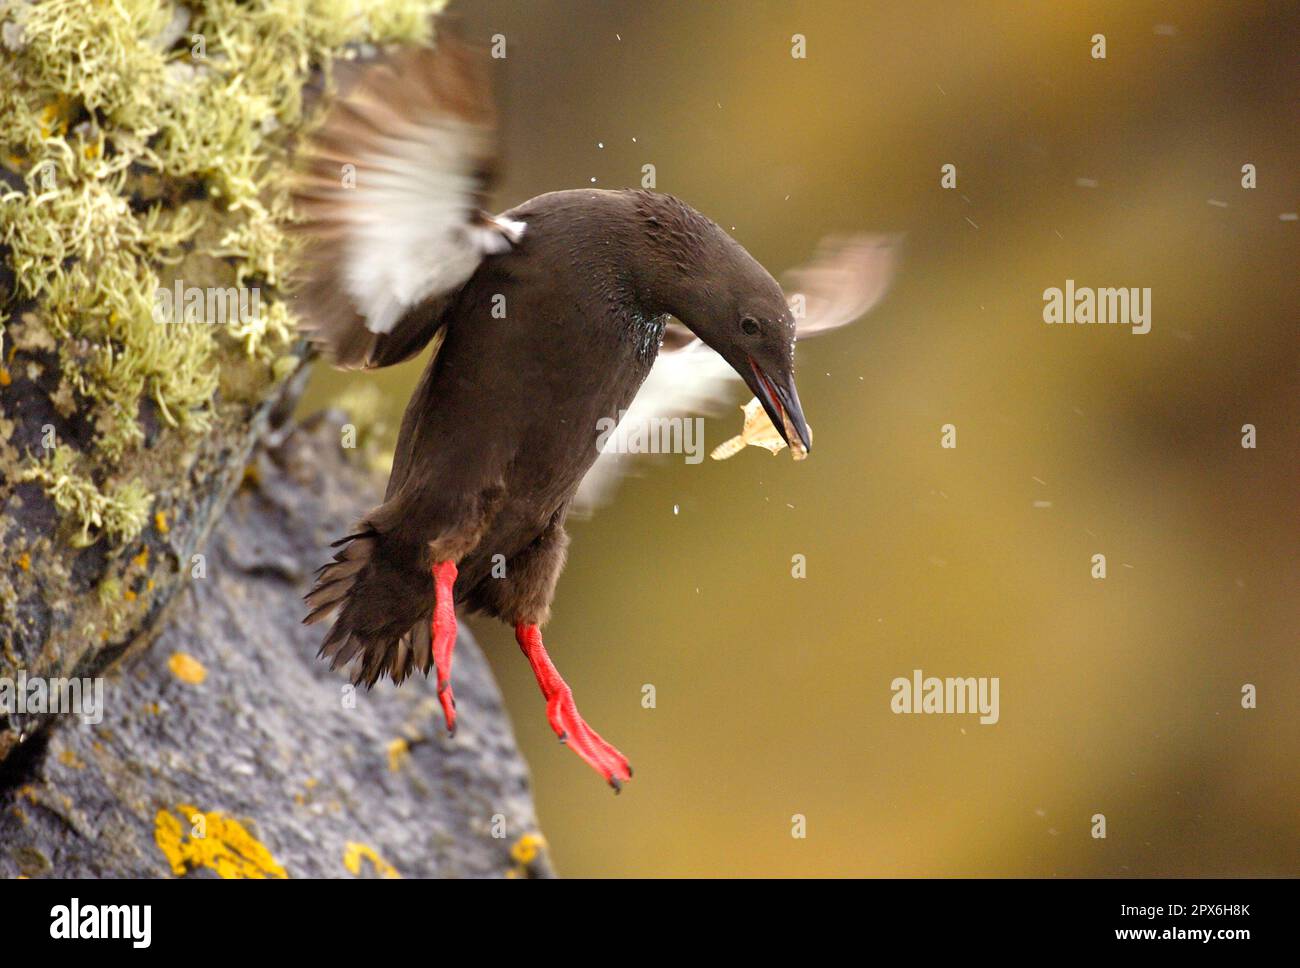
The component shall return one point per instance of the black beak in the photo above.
(781, 401)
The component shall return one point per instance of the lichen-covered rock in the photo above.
(143, 145)
(229, 749)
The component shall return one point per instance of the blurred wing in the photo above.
(686, 382)
(389, 193)
(846, 279)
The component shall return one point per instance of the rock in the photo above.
(228, 749)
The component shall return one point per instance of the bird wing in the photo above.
(389, 194)
(846, 279)
(690, 381)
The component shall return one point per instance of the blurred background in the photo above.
(1119, 696)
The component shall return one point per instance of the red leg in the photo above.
(563, 713)
(444, 636)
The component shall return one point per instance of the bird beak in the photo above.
(781, 401)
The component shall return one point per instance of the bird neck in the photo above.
(671, 247)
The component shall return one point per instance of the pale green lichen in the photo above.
(109, 592)
(120, 512)
(152, 138)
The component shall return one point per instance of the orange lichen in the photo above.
(186, 668)
(54, 117)
(25, 561)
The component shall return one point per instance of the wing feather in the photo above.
(389, 194)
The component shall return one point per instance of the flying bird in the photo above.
(545, 321)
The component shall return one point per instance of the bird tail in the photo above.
(384, 605)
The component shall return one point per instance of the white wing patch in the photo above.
(389, 192)
(691, 381)
(408, 234)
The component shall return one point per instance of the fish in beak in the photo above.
(780, 402)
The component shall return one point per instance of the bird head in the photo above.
(726, 298)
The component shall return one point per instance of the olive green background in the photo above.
(1120, 697)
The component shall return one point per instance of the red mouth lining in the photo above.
(771, 391)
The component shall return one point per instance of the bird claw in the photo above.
(448, 700)
(574, 732)
(563, 715)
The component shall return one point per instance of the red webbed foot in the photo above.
(563, 713)
(444, 636)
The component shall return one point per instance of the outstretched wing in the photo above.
(846, 279)
(389, 192)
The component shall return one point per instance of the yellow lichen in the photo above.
(160, 522)
(186, 668)
(355, 853)
(398, 750)
(214, 841)
(25, 561)
(524, 853)
(527, 847)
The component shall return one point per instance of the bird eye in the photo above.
(750, 325)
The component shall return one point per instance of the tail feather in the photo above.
(383, 610)
(336, 579)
